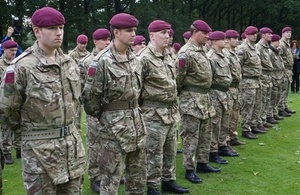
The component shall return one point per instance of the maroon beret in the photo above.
(138, 39)
(243, 36)
(123, 20)
(265, 30)
(82, 39)
(101, 33)
(285, 29)
(158, 25)
(9, 44)
(202, 26)
(217, 35)
(251, 30)
(275, 37)
(232, 34)
(171, 33)
(47, 16)
(177, 46)
(187, 34)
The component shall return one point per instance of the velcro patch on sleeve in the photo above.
(92, 71)
(9, 77)
(182, 60)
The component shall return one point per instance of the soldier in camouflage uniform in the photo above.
(139, 43)
(235, 67)
(262, 48)
(10, 50)
(39, 93)
(221, 80)
(288, 61)
(160, 110)
(277, 74)
(101, 38)
(194, 78)
(77, 54)
(111, 93)
(250, 84)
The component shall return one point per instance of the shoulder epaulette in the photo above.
(22, 55)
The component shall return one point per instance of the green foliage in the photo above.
(268, 165)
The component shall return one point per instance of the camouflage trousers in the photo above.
(247, 102)
(93, 147)
(41, 184)
(265, 103)
(220, 126)
(78, 119)
(256, 117)
(275, 99)
(196, 137)
(234, 112)
(283, 94)
(113, 160)
(7, 140)
(161, 146)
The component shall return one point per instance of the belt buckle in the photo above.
(64, 131)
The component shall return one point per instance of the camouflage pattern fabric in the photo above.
(265, 78)
(249, 85)
(159, 85)
(220, 99)
(277, 78)
(39, 94)
(194, 71)
(77, 55)
(234, 95)
(92, 135)
(196, 136)
(114, 78)
(288, 62)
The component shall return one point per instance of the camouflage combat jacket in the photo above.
(194, 72)
(159, 85)
(84, 65)
(221, 77)
(267, 67)
(4, 63)
(278, 66)
(234, 65)
(250, 64)
(286, 54)
(41, 95)
(77, 55)
(114, 79)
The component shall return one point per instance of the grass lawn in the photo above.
(268, 165)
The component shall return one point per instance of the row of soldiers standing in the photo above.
(131, 101)
(217, 80)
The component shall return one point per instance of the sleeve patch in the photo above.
(9, 78)
(182, 60)
(92, 71)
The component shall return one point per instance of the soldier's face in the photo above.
(125, 36)
(10, 53)
(233, 42)
(49, 38)
(102, 43)
(201, 37)
(267, 36)
(139, 47)
(160, 39)
(81, 46)
(221, 43)
(287, 34)
(252, 38)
